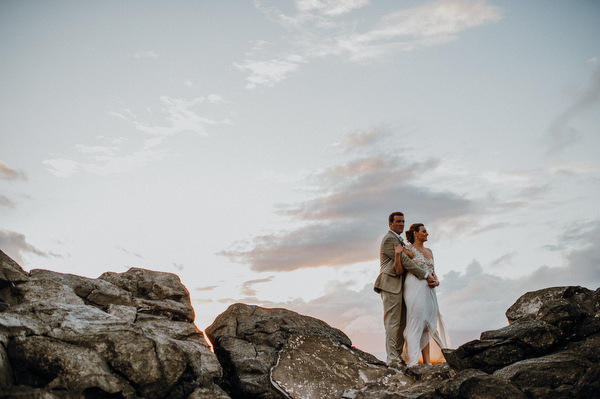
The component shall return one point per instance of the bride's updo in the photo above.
(410, 233)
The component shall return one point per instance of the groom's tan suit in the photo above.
(389, 286)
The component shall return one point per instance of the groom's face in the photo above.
(397, 226)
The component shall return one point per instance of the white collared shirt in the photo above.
(399, 237)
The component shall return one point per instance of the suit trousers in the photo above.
(394, 321)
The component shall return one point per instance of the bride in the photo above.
(423, 318)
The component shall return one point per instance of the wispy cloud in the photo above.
(326, 28)
(349, 210)
(207, 288)
(179, 267)
(247, 287)
(16, 246)
(146, 54)
(329, 7)
(7, 202)
(108, 161)
(266, 72)
(347, 203)
(129, 252)
(181, 116)
(112, 156)
(561, 133)
(8, 173)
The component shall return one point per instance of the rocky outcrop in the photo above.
(123, 335)
(277, 353)
(550, 349)
(131, 335)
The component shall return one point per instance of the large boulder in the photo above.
(551, 348)
(277, 353)
(123, 335)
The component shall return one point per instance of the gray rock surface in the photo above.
(123, 335)
(131, 335)
(550, 349)
(277, 353)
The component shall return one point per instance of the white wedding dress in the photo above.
(423, 318)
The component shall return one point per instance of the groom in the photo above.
(389, 286)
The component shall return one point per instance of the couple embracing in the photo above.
(406, 283)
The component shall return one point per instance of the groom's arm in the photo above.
(389, 250)
(410, 266)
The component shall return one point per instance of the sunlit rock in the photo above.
(127, 335)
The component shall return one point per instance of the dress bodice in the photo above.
(420, 259)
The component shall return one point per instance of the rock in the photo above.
(550, 349)
(45, 362)
(485, 355)
(545, 376)
(277, 353)
(318, 367)
(127, 335)
(399, 382)
(155, 293)
(6, 372)
(10, 272)
(131, 335)
(532, 302)
(483, 386)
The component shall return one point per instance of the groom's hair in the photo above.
(393, 215)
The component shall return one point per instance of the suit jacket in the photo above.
(388, 280)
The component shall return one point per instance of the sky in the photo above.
(256, 148)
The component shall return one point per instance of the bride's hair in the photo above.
(410, 233)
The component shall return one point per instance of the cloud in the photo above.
(16, 246)
(439, 19)
(330, 7)
(181, 117)
(504, 259)
(572, 168)
(128, 252)
(341, 224)
(62, 167)
(358, 139)
(145, 54)
(112, 156)
(266, 72)
(7, 173)
(207, 288)
(424, 26)
(247, 289)
(483, 298)
(107, 163)
(318, 30)
(561, 133)
(344, 213)
(7, 202)
(179, 267)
